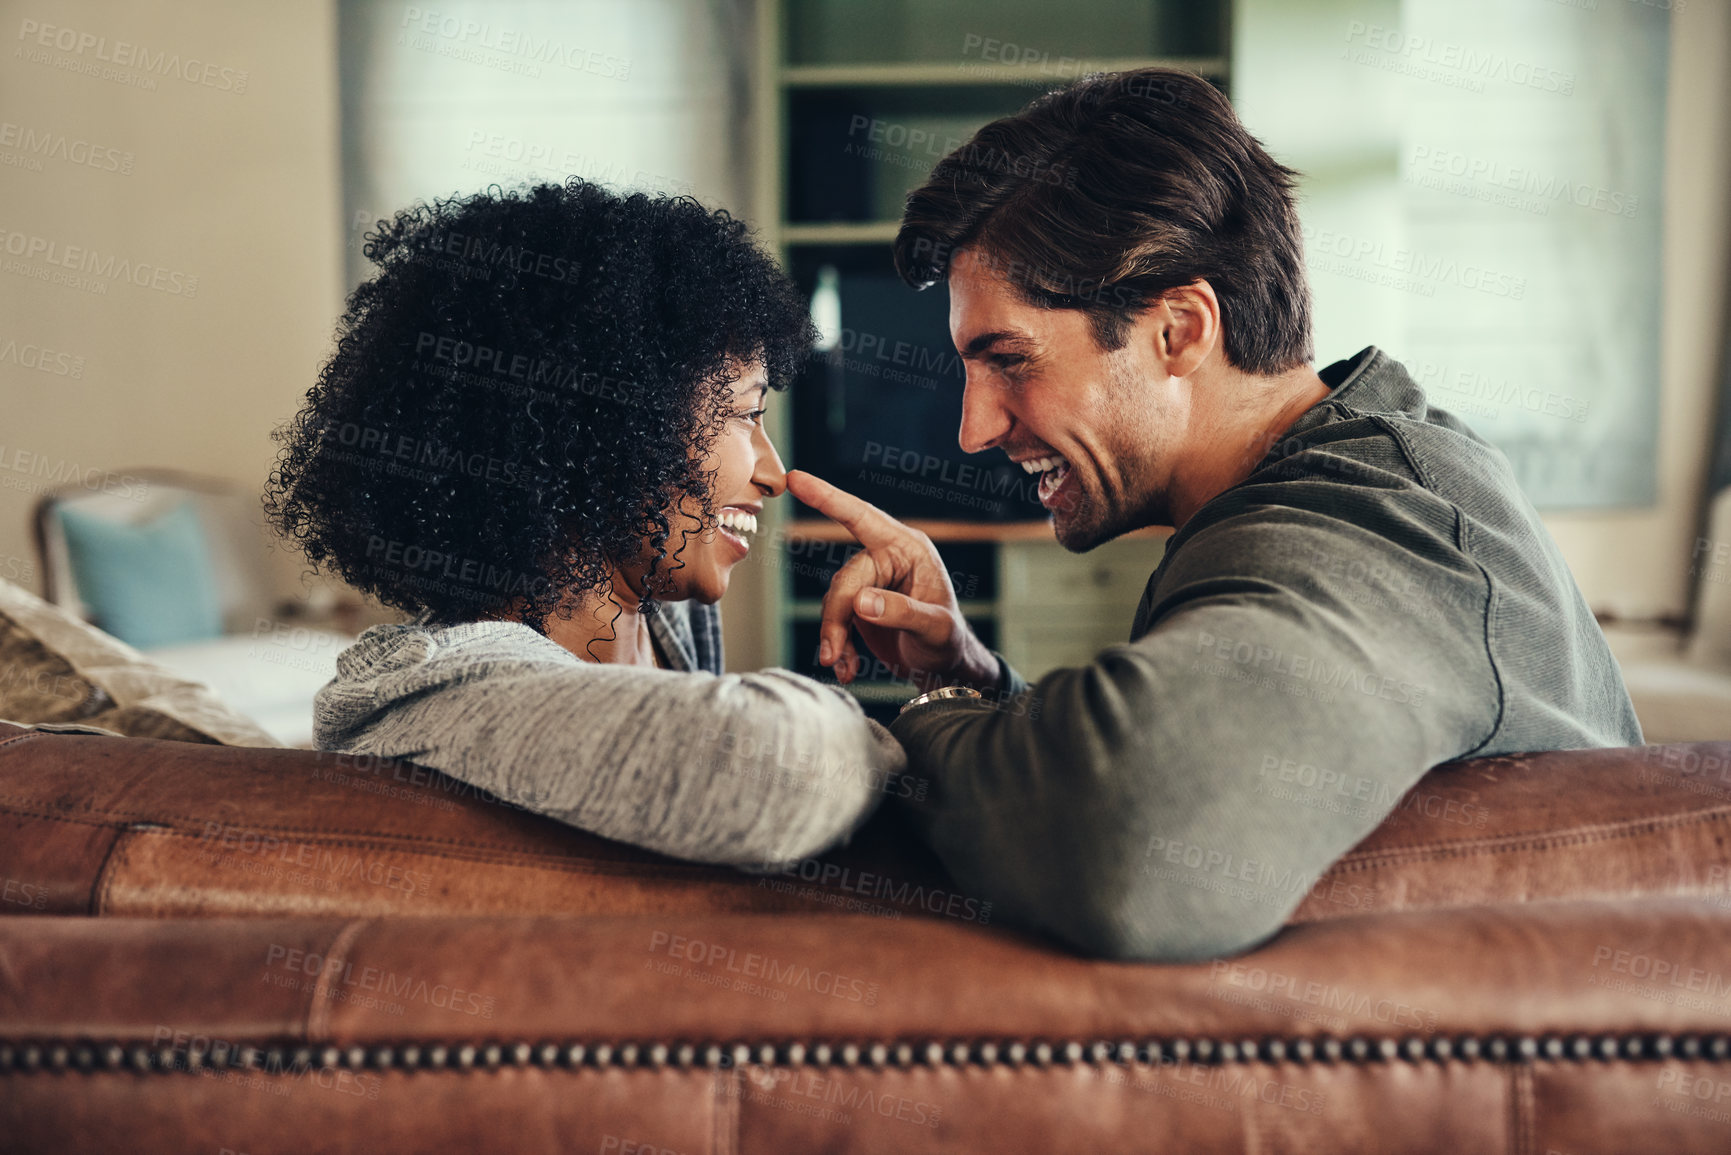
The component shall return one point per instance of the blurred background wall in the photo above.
(211, 220)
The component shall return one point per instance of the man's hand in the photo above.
(898, 593)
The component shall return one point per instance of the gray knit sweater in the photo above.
(744, 769)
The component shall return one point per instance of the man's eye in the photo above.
(1010, 369)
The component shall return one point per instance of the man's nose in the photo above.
(769, 476)
(985, 421)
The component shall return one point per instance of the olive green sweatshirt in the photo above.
(1375, 598)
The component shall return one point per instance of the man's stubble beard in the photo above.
(1092, 523)
(1092, 520)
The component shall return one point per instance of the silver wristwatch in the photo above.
(938, 695)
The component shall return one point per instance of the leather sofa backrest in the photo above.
(98, 825)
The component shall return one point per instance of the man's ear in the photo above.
(1187, 327)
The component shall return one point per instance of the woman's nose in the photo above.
(769, 476)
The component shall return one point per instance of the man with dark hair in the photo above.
(1356, 590)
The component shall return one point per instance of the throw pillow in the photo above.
(56, 668)
(148, 583)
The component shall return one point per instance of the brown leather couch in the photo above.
(303, 952)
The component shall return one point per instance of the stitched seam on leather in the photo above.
(318, 1019)
(523, 859)
(103, 884)
(1521, 1110)
(24, 737)
(476, 852)
(315, 833)
(724, 1134)
(1585, 836)
(1511, 1112)
(577, 867)
(51, 816)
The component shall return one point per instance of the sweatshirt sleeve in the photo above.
(752, 770)
(1177, 797)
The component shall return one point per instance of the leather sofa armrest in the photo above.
(1642, 820)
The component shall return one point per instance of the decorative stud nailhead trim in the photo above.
(84, 1055)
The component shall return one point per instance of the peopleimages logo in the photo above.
(126, 55)
(341, 973)
(482, 251)
(750, 964)
(463, 38)
(332, 862)
(1525, 180)
(109, 266)
(940, 474)
(1329, 997)
(45, 144)
(269, 1069)
(1267, 659)
(967, 156)
(878, 886)
(41, 359)
(482, 363)
(26, 894)
(1446, 61)
(1249, 879)
(1365, 258)
(403, 557)
(418, 451)
(61, 472)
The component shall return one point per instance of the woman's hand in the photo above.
(898, 593)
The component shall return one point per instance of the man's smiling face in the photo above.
(1098, 428)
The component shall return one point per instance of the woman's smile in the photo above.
(736, 524)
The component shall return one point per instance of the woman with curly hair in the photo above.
(541, 435)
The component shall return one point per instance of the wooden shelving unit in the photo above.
(840, 233)
(1038, 586)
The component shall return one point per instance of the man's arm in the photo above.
(1177, 797)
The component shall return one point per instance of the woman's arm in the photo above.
(742, 769)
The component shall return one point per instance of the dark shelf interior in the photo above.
(879, 415)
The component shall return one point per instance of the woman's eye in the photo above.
(754, 416)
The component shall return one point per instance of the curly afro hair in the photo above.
(523, 392)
